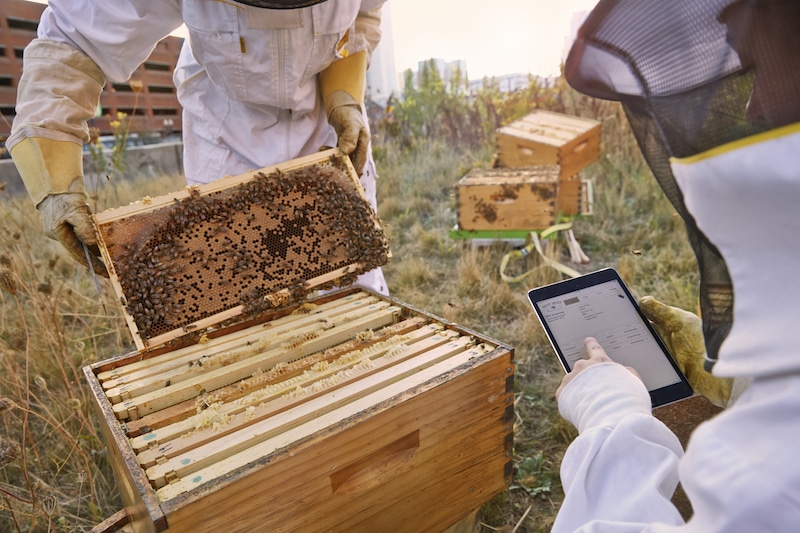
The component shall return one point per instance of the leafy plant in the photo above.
(533, 475)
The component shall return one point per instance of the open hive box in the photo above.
(529, 198)
(251, 407)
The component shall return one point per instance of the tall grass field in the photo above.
(54, 468)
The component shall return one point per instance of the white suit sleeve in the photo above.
(368, 25)
(621, 471)
(366, 32)
(57, 93)
(117, 34)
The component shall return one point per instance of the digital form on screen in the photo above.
(604, 312)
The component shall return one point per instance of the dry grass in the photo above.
(54, 474)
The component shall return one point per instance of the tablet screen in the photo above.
(604, 312)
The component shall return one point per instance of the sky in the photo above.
(494, 36)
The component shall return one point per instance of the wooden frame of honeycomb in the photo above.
(241, 245)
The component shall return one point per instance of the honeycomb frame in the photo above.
(240, 246)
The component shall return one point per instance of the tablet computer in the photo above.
(599, 305)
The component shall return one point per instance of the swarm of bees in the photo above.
(256, 244)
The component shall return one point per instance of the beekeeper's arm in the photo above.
(621, 471)
(64, 71)
(59, 90)
(343, 85)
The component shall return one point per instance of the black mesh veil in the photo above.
(685, 90)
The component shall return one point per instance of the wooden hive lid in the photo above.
(227, 251)
(549, 128)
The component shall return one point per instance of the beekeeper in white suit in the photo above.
(260, 82)
(712, 91)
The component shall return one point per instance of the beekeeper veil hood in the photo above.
(279, 4)
(692, 75)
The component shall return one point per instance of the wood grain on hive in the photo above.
(239, 245)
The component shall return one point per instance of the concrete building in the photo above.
(508, 83)
(155, 110)
(382, 79)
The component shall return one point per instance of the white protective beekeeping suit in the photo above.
(247, 78)
(711, 90)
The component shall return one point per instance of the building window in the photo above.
(161, 89)
(130, 111)
(164, 67)
(22, 24)
(121, 87)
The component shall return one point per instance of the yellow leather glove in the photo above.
(53, 175)
(682, 332)
(342, 85)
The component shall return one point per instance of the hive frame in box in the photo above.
(410, 446)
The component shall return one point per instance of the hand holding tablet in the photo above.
(599, 305)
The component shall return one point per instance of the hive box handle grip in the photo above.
(375, 468)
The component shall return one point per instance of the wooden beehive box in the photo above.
(518, 198)
(548, 138)
(348, 411)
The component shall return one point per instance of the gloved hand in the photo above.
(342, 85)
(351, 128)
(66, 218)
(682, 332)
(53, 175)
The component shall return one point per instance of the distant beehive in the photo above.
(503, 199)
(239, 245)
(547, 138)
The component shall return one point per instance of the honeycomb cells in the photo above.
(255, 244)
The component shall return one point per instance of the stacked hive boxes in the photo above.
(536, 179)
(251, 407)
